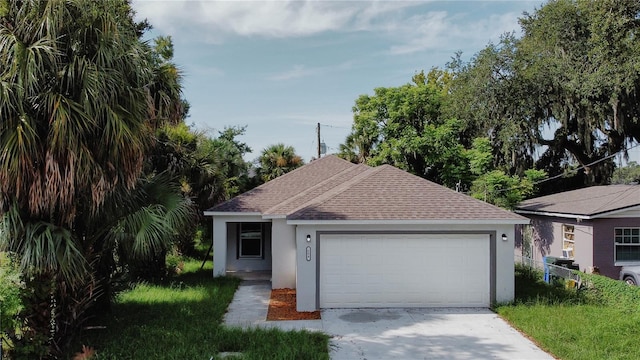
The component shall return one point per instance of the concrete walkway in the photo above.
(249, 309)
(420, 333)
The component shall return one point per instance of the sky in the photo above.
(281, 67)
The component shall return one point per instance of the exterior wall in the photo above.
(235, 263)
(603, 243)
(283, 271)
(219, 246)
(547, 239)
(308, 270)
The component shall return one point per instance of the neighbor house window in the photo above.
(627, 241)
(568, 241)
(250, 240)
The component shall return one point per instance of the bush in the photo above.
(606, 291)
(10, 301)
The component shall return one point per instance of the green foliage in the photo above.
(11, 304)
(598, 321)
(140, 226)
(606, 291)
(495, 186)
(404, 126)
(480, 157)
(277, 160)
(48, 248)
(530, 289)
(182, 319)
(629, 174)
(574, 72)
(80, 97)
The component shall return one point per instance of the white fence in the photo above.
(549, 270)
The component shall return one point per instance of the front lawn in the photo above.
(601, 322)
(182, 320)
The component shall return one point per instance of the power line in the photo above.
(335, 127)
(582, 167)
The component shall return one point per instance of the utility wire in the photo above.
(335, 127)
(572, 171)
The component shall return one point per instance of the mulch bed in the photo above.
(282, 306)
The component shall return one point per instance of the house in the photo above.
(349, 236)
(595, 226)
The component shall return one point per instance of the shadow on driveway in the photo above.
(441, 333)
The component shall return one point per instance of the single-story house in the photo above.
(350, 236)
(598, 226)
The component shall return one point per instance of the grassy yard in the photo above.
(182, 320)
(602, 322)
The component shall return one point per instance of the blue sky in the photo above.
(280, 67)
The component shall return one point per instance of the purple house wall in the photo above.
(603, 244)
(594, 213)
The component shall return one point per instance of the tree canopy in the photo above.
(568, 88)
(404, 126)
(277, 160)
(562, 99)
(80, 98)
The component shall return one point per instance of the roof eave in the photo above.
(231, 213)
(554, 214)
(274, 216)
(523, 221)
(577, 216)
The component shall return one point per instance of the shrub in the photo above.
(607, 291)
(10, 301)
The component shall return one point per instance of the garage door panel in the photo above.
(404, 270)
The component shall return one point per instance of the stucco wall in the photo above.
(307, 270)
(283, 272)
(547, 239)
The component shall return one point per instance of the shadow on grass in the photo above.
(531, 289)
(181, 319)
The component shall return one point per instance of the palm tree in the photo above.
(277, 160)
(79, 99)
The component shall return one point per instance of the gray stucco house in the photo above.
(595, 226)
(347, 235)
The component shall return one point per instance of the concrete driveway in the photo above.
(424, 334)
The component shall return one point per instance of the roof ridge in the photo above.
(310, 189)
(340, 188)
(280, 178)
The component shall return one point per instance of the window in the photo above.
(568, 241)
(250, 241)
(627, 244)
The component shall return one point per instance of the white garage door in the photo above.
(404, 271)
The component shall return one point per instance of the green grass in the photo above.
(182, 320)
(598, 323)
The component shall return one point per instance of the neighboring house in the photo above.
(595, 226)
(347, 235)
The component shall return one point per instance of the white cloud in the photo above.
(441, 30)
(410, 31)
(275, 19)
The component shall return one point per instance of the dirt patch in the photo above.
(282, 306)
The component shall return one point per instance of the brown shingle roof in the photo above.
(388, 193)
(289, 185)
(586, 202)
(360, 192)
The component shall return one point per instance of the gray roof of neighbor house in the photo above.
(334, 189)
(590, 201)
